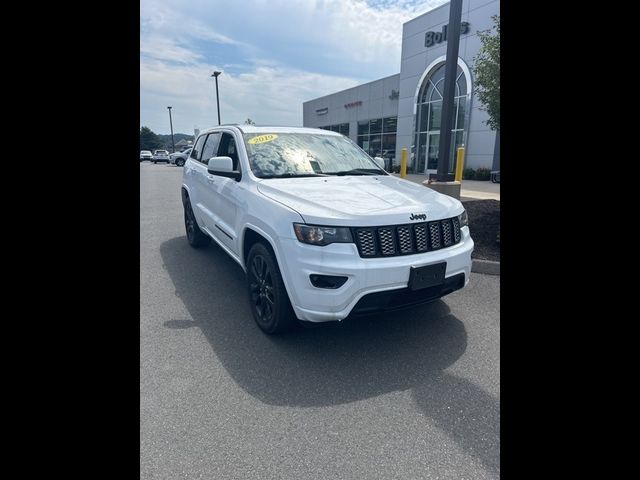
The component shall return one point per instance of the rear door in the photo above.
(193, 174)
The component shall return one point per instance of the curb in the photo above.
(487, 267)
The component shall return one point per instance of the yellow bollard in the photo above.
(459, 164)
(403, 164)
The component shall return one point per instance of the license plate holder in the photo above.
(427, 276)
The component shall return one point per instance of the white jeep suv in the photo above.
(319, 228)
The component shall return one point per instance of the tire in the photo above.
(268, 297)
(155, 163)
(196, 237)
(180, 162)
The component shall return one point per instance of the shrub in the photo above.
(468, 174)
(483, 174)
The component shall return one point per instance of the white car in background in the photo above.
(179, 158)
(145, 155)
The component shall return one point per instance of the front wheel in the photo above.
(180, 162)
(268, 297)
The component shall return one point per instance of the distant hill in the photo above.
(166, 139)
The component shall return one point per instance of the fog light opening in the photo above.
(327, 281)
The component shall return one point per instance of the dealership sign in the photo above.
(431, 38)
(353, 104)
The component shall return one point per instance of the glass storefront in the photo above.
(377, 137)
(342, 128)
(429, 117)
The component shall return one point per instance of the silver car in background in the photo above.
(179, 158)
(160, 156)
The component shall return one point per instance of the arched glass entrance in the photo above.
(429, 115)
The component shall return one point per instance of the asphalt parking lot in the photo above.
(409, 395)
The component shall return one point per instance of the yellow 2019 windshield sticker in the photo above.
(263, 138)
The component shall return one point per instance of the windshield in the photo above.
(274, 155)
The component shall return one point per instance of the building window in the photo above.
(342, 128)
(429, 116)
(377, 137)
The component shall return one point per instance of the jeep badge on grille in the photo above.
(418, 216)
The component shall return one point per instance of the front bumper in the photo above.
(365, 276)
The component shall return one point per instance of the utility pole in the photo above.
(448, 97)
(173, 145)
(215, 74)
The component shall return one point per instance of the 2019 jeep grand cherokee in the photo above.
(319, 228)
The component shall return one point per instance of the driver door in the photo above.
(225, 196)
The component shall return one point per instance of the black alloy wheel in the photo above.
(270, 303)
(196, 237)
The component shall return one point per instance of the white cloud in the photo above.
(286, 52)
(267, 94)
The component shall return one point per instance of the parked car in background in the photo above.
(145, 155)
(179, 158)
(160, 156)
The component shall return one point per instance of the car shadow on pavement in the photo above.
(356, 359)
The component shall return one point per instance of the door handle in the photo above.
(211, 179)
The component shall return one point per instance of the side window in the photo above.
(197, 148)
(210, 147)
(228, 149)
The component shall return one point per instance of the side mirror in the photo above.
(379, 161)
(223, 167)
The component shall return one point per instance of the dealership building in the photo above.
(404, 110)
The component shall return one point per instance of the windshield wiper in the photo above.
(295, 175)
(358, 171)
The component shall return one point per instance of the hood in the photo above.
(359, 200)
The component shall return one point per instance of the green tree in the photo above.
(149, 140)
(487, 72)
(248, 121)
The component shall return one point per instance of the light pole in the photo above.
(173, 145)
(215, 74)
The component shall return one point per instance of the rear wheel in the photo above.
(180, 162)
(268, 297)
(196, 237)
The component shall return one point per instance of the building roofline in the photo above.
(428, 12)
(351, 88)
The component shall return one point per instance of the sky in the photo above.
(274, 55)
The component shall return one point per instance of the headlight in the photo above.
(315, 235)
(463, 219)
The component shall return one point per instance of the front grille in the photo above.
(393, 240)
(366, 243)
